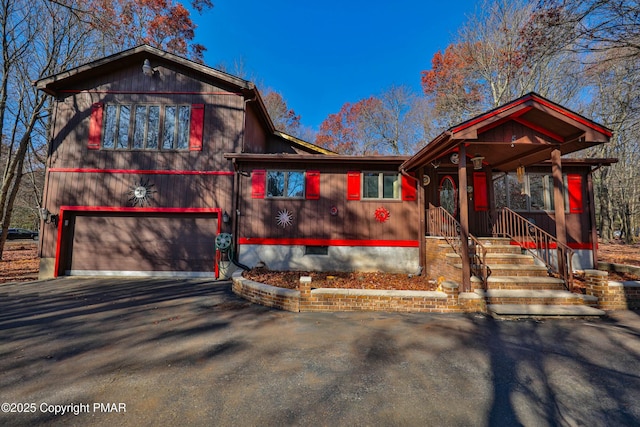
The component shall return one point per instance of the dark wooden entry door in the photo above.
(477, 192)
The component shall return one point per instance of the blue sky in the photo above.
(319, 55)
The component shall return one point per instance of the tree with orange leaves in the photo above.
(164, 24)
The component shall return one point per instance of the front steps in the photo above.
(520, 287)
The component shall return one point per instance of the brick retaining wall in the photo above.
(610, 295)
(334, 299)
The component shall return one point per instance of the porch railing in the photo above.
(443, 224)
(556, 256)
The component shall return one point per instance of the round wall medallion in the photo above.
(284, 218)
(455, 158)
(381, 214)
(140, 193)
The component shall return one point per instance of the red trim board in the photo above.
(139, 171)
(327, 242)
(127, 209)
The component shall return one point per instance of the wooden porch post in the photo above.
(422, 230)
(558, 200)
(464, 218)
(592, 219)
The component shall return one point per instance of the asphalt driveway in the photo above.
(189, 352)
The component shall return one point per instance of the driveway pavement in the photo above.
(132, 352)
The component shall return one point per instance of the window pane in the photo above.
(275, 184)
(168, 136)
(183, 126)
(295, 184)
(500, 192)
(370, 185)
(391, 186)
(123, 127)
(153, 127)
(536, 190)
(548, 188)
(517, 196)
(139, 125)
(109, 139)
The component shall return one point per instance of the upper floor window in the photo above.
(285, 184)
(146, 127)
(381, 185)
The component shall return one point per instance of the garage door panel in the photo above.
(143, 243)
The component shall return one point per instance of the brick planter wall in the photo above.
(330, 299)
(269, 296)
(610, 296)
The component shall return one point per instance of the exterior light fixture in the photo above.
(48, 217)
(477, 162)
(147, 70)
(225, 217)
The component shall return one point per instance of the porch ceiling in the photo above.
(520, 133)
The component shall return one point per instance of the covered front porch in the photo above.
(505, 174)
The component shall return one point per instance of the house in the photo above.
(136, 180)
(152, 157)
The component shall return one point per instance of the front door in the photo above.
(477, 191)
(448, 194)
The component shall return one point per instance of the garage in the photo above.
(140, 243)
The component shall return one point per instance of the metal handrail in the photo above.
(443, 224)
(538, 242)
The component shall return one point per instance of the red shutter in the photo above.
(197, 124)
(480, 196)
(408, 188)
(353, 185)
(313, 185)
(574, 184)
(258, 180)
(95, 127)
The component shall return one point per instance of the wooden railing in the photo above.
(538, 242)
(443, 224)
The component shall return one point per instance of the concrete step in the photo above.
(517, 270)
(494, 241)
(535, 297)
(539, 310)
(507, 258)
(502, 249)
(525, 283)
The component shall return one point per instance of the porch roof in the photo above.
(520, 133)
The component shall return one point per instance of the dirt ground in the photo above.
(20, 263)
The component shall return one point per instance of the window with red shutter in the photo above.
(258, 179)
(353, 185)
(95, 127)
(574, 185)
(197, 125)
(313, 185)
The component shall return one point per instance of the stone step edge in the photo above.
(525, 280)
(497, 267)
(543, 310)
(528, 293)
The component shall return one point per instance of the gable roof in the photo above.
(555, 127)
(55, 84)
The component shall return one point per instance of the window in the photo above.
(381, 185)
(285, 184)
(148, 127)
(534, 193)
